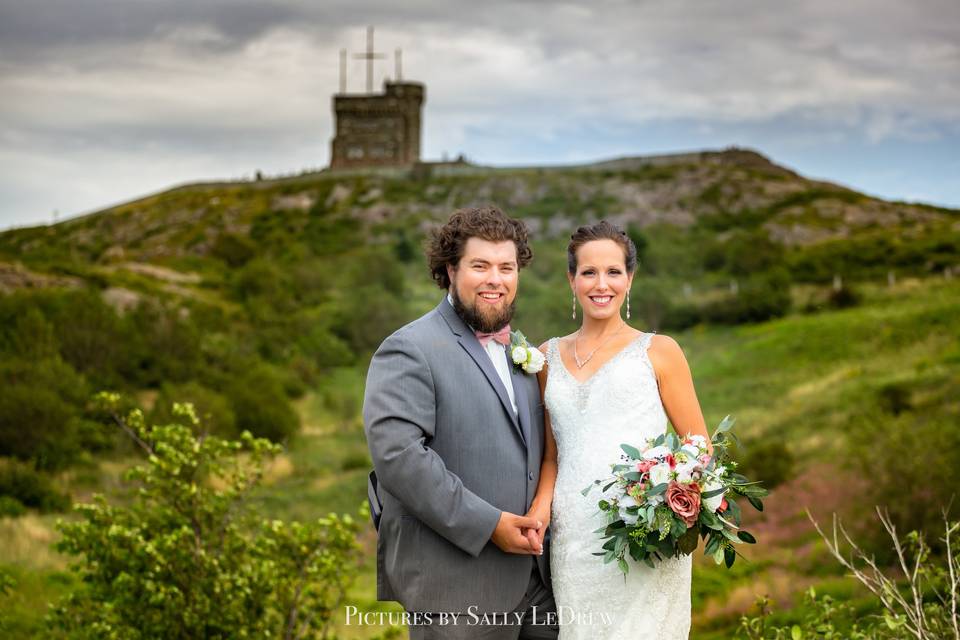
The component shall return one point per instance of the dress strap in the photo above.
(551, 351)
(645, 340)
(643, 344)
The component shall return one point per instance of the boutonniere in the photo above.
(524, 355)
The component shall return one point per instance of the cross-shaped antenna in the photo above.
(369, 56)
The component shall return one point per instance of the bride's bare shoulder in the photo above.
(665, 353)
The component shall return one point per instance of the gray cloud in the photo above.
(111, 84)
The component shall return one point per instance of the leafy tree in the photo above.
(190, 558)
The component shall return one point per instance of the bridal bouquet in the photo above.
(661, 499)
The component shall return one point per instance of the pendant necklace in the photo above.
(582, 363)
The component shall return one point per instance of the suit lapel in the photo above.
(468, 341)
(517, 378)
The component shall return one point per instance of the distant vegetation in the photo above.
(252, 301)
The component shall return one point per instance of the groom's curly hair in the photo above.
(445, 244)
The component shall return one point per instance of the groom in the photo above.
(455, 432)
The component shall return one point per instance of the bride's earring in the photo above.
(574, 314)
(628, 304)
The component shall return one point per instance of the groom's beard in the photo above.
(491, 321)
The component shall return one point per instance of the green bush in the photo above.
(93, 338)
(10, 507)
(368, 316)
(911, 486)
(843, 298)
(824, 619)
(41, 409)
(260, 404)
(649, 304)
(213, 409)
(27, 333)
(757, 301)
(894, 398)
(769, 461)
(682, 316)
(24, 484)
(235, 250)
(744, 253)
(167, 348)
(191, 558)
(357, 460)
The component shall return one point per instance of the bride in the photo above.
(604, 385)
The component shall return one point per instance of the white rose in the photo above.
(519, 355)
(712, 503)
(660, 474)
(685, 470)
(691, 450)
(656, 452)
(535, 360)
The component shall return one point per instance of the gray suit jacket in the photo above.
(450, 455)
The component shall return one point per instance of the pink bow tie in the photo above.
(502, 336)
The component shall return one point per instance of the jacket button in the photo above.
(530, 475)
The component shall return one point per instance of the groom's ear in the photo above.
(451, 270)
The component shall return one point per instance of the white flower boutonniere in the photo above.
(524, 355)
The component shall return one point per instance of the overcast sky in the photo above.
(105, 100)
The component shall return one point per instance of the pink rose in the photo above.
(645, 465)
(684, 500)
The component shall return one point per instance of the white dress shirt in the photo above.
(498, 356)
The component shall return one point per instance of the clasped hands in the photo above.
(521, 534)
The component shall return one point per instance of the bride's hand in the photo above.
(541, 513)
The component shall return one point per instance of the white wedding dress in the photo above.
(619, 404)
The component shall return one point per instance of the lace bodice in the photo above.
(619, 404)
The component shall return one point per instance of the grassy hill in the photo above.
(825, 320)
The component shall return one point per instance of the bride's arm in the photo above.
(676, 387)
(540, 508)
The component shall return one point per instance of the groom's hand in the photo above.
(510, 534)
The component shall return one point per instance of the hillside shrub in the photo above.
(843, 298)
(757, 301)
(260, 404)
(93, 338)
(23, 483)
(190, 557)
(212, 408)
(167, 348)
(27, 333)
(234, 250)
(915, 597)
(909, 485)
(41, 407)
(11, 508)
(769, 461)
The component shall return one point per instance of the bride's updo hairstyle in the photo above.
(602, 230)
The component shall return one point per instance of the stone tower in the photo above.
(378, 130)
